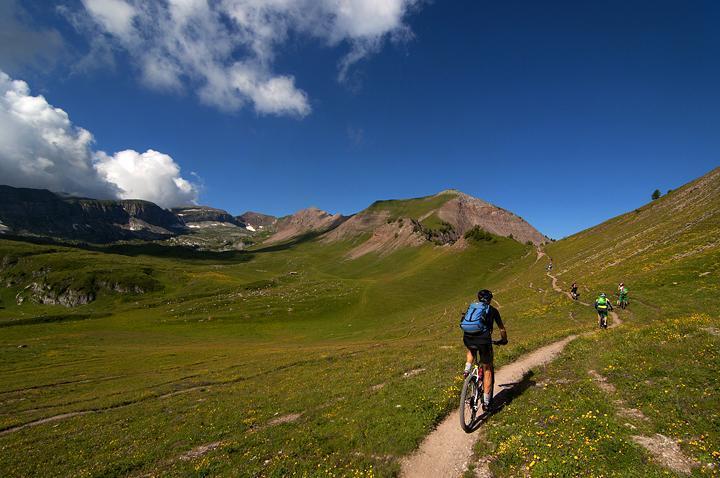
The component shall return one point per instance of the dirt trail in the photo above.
(616, 319)
(41, 421)
(663, 449)
(446, 451)
(557, 288)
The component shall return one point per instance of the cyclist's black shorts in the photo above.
(602, 312)
(480, 348)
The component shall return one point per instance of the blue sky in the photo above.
(565, 112)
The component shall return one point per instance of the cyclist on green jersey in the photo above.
(603, 306)
(622, 293)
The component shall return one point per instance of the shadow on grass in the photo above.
(173, 252)
(139, 249)
(282, 246)
(509, 392)
(158, 249)
(47, 319)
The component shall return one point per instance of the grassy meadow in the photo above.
(285, 360)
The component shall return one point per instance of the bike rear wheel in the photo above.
(469, 402)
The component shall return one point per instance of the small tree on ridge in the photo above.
(656, 194)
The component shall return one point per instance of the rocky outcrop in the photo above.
(306, 221)
(69, 286)
(42, 293)
(204, 214)
(39, 212)
(464, 212)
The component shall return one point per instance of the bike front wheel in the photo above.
(469, 402)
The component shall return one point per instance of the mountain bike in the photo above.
(603, 321)
(471, 395)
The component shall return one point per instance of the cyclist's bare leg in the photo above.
(469, 359)
(488, 378)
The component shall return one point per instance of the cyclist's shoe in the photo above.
(487, 406)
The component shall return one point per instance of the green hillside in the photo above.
(291, 359)
(667, 251)
(413, 208)
(653, 377)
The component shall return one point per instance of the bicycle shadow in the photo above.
(509, 392)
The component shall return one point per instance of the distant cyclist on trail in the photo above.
(477, 325)
(622, 295)
(603, 306)
(574, 291)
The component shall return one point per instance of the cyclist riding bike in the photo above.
(477, 324)
(574, 291)
(603, 306)
(622, 295)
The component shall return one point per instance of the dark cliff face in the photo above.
(152, 214)
(30, 209)
(40, 212)
(206, 214)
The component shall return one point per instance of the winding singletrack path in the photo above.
(447, 450)
(616, 319)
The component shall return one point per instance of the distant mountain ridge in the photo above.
(441, 219)
(25, 211)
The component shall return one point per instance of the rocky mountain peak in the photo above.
(305, 221)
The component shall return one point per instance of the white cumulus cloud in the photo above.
(150, 175)
(225, 49)
(41, 148)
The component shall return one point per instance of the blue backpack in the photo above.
(475, 320)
